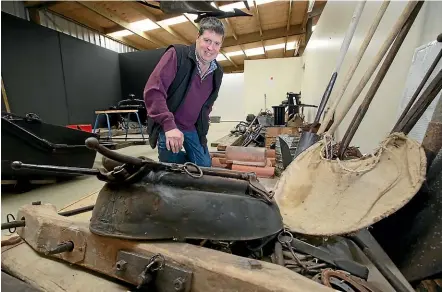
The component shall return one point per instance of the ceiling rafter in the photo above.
(258, 18)
(288, 26)
(266, 35)
(143, 10)
(117, 20)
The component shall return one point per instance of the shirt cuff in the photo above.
(169, 125)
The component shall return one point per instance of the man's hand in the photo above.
(174, 140)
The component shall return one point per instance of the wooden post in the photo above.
(5, 98)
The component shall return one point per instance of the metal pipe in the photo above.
(62, 247)
(418, 90)
(64, 169)
(13, 224)
(76, 211)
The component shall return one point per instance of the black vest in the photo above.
(186, 69)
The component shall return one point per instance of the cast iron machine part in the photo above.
(147, 200)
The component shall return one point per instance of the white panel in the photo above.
(323, 49)
(267, 82)
(230, 102)
(422, 60)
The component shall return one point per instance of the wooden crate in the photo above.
(273, 132)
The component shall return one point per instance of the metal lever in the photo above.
(92, 143)
(18, 165)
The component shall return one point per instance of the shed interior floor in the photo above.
(63, 193)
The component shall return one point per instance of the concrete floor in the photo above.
(64, 193)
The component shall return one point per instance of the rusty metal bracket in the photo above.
(171, 277)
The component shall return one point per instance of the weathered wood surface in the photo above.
(228, 140)
(212, 270)
(50, 275)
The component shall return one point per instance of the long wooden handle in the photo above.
(331, 109)
(378, 58)
(363, 108)
(342, 53)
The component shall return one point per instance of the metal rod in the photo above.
(13, 224)
(363, 108)
(373, 65)
(63, 247)
(427, 97)
(17, 165)
(77, 211)
(418, 90)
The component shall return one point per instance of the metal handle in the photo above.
(92, 143)
(18, 165)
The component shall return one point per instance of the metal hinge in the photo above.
(153, 270)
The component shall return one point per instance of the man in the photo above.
(179, 96)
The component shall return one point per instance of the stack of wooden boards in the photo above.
(246, 159)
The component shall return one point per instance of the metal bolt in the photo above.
(255, 265)
(178, 284)
(121, 265)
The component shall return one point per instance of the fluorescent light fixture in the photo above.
(291, 45)
(236, 53)
(173, 20)
(275, 47)
(260, 2)
(144, 25)
(120, 33)
(220, 57)
(254, 52)
(230, 7)
(191, 16)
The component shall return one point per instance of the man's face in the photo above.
(208, 45)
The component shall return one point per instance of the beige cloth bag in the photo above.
(318, 196)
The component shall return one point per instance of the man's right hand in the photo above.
(174, 140)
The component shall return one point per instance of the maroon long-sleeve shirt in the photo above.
(155, 94)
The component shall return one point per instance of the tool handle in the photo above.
(18, 165)
(331, 110)
(92, 143)
(374, 64)
(352, 267)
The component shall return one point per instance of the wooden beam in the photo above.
(99, 30)
(196, 25)
(34, 15)
(5, 98)
(110, 16)
(228, 58)
(143, 10)
(266, 35)
(258, 17)
(232, 69)
(207, 269)
(288, 25)
(40, 4)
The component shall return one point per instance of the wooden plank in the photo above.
(266, 35)
(212, 270)
(5, 98)
(107, 14)
(227, 140)
(50, 275)
(10, 283)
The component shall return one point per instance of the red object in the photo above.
(260, 171)
(84, 128)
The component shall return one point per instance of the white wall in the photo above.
(323, 48)
(230, 102)
(287, 76)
